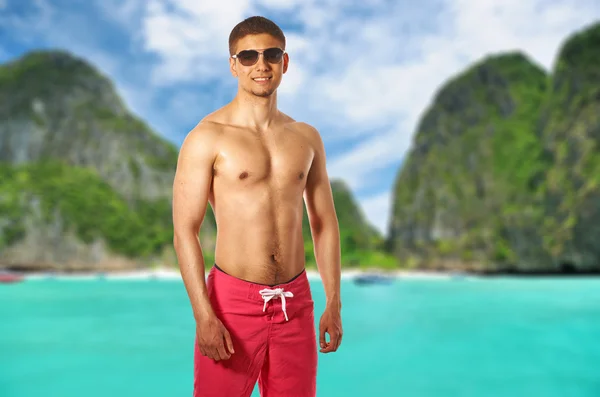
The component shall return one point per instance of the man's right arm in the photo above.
(191, 188)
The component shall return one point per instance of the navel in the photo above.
(244, 175)
(301, 175)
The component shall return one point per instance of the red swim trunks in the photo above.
(273, 333)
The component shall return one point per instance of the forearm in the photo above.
(191, 265)
(327, 254)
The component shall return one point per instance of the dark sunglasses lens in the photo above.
(273, 55)
(248, 57)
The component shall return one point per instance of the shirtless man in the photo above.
(255, 165)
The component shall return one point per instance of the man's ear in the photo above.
(286, 61)
(232, 67)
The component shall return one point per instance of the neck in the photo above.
(253, 111)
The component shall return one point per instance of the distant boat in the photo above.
(6, 277)
(373, 278)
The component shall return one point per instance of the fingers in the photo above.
(322, 340)
(218, 350)
(228, 342)
(216, 353)
(221, 353)
(334, 343)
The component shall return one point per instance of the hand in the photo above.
(331, 323)
(213, 338)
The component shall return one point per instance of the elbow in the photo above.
(176, 242)
(325, 225)
(176, 237)
(180, 237)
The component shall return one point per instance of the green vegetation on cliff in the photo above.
(476, 151)
(571, 133)
(504, 169)
(87, 205)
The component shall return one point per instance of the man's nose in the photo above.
(262, 64)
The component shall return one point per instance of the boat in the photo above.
(373, 278)
(7, 277)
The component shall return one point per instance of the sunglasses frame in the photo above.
(236, 56)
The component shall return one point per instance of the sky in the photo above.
(362, 72)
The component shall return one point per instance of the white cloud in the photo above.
(296, 45)
(375, 89)
(280, 4)
(190, 37)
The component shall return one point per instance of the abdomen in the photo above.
(259, 236)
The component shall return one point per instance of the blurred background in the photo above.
(463, 143)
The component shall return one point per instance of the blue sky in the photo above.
(362, 71)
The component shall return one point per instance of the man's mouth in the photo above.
(261, 78)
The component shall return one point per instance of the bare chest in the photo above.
(280, 161)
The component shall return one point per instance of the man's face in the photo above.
(251, 78)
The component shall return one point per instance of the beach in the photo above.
(166, 273)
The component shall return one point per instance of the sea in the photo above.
(415, 337)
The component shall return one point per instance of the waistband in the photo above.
(298, 285)
(265, 285)
(297, 288)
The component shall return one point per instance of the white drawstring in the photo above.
(268, 294)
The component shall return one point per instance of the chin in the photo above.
(263, 94)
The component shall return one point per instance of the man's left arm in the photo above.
(326, 240)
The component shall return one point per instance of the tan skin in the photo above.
(255, 165)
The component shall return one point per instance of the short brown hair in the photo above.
(254, 25)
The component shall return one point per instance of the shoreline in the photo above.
(166, 273)
(174, 274)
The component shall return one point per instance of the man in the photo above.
(255, 165)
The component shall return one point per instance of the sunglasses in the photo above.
(250, 57)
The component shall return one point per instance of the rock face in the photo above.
(87, 185)
(57, 106)
(570, 127)
(503, 173)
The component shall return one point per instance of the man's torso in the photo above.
(257, 196)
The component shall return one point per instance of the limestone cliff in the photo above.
(570, 129)
(503, 172)
(85, 183)
(57, 106)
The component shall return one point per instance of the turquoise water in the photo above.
(417, 338)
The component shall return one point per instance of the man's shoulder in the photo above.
(201, 133)
(304, 128)
(310, 133)
(209, 127)
(203, 137)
